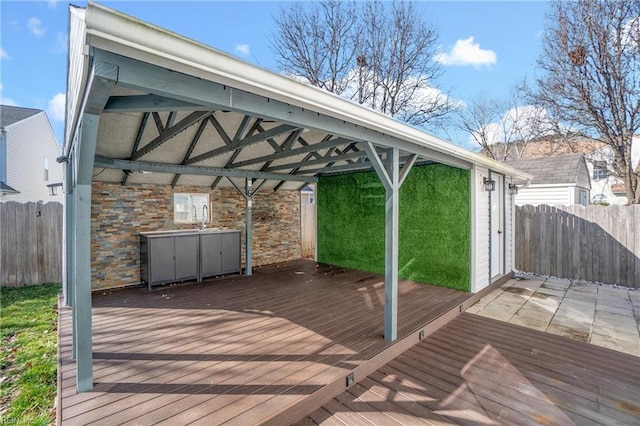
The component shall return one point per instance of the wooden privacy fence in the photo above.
(30, 243)
(593, 243)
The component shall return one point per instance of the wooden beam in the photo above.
(149, 103)
(406, 168)
(113, 163)
(136, 143)
(323, 160)
(249, 140)
(192, 146)
(292, 152)
(170, 132)
(241, 128)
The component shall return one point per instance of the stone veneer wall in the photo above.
(119, 213)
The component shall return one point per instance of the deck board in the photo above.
(237, 349)
(478, 370)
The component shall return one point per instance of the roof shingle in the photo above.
(550, 170)
(11, 114)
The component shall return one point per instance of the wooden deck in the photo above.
(240, 350)
(477, 370)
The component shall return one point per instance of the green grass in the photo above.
(434, 225)
(28, 354)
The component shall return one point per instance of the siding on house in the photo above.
(29, 142)
(556, 179)
(582, 175)
(120, 212)
(481, 250)
(545, 194)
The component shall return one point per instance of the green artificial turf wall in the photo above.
(435, 232)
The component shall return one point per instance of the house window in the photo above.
(600, 170)
(584, 197)
(191, 208)
(311, 199)
(46, 169)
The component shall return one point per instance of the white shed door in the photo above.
(497, 227)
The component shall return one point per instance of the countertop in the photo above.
(187, 232)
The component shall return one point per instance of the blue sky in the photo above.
(485, 47)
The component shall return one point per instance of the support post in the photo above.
(392, 192)
(248, 194)
(392, 177)
(85, 151)
(248, 197)
(67, 288)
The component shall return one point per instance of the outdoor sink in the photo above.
(186, 232)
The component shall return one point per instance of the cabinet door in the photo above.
(210, 256)
(186, 254)
(161, 263)
(230, 252)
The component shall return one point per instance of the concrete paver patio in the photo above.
(600, 315)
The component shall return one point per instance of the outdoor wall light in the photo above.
(53, 188)
(488, 184)
(513, 189)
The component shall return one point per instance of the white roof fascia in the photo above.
(121, 34)
(552, 185)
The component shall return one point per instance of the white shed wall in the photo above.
(28, 142)
(544, 194)
(480, 240)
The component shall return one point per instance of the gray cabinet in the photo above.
(210, 255)
(186, 257)
(171, 256)
(219, 253)
(165, 259)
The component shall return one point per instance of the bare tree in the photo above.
(316, 42)
(591, 75)
(376, 53)
(504, 128)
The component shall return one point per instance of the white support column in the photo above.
(248, 194)
(392, 177)
(82, 252)
(67, 288)
(391, 247)
(248, 197)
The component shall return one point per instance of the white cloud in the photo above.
(3, 54)
(35, 26)
(56, 110)
(519, 123)
(466, 52)
(243, 49)
(52, 3)
(61, 43)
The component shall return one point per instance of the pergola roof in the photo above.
(193, 115)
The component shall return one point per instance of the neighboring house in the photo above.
(605, 187)
(28, 152)
(557, 180)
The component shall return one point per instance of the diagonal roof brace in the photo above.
(243, 143)
(170, 132)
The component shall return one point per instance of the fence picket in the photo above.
(594, 243)
(30, 244)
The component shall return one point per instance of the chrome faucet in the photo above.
(205, 216)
